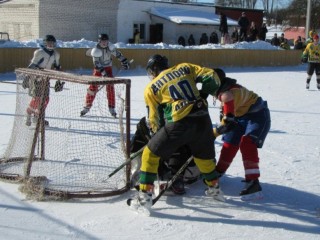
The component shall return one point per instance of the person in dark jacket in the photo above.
(223, 28)
(214, 38)
(253, 31)
(204, 39)
(263, 32)
(181, 41)
(282, 38)
(243, 22)
(275, 40)
(191, 40)
(298, 44)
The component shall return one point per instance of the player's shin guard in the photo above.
(250, 158)
(91, 94)
(228, 152)
(111, 96)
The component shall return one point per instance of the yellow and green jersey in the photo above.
(174, 91)
(313, 52)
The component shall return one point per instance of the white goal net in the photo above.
(73, 156)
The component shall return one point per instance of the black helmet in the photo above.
(49, 38)
(221, 74)
(156, 64)
(103, 36)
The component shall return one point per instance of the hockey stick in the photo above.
(170, 182)
(130, 62)
(132, 156)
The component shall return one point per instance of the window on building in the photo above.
(141, 27)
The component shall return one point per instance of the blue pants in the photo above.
(253, 124)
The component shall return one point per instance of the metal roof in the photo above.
(186, 16)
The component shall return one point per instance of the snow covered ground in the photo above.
(289, 164)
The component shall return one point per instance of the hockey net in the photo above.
(73, 156)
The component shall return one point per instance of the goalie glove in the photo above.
(125, 64)
(58, 87)
(227, 124)
(144, 130)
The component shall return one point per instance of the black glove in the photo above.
(227, 124)
(125, 64)
(25, 83)
(58, 87)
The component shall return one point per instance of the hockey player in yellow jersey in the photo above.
(312, 55)
(173, 93)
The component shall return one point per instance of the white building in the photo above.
(77, 19)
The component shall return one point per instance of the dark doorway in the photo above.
(156, 33)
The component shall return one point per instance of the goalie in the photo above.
(102, 61)
(44, 58)
(168, 167)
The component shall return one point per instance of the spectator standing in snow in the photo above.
(223, 28)
(298, 44)
(253, 32)
(191, 40)
(244, 23)
(275, 40)
(263, 32)
(204, 39)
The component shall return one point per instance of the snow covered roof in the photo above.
(185, 16)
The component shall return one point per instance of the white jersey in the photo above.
(45, 59)
(106, 55)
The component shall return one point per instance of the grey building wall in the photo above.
(76, 19)
(20, 19)
(67, 20)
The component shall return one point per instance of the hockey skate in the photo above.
(28, 120)
(251, 191)
(215, 192)
(35, 120)
(177, 186)
(84, 111)
(318, 86)
(142, 203)
(307, 85)
(113, 112)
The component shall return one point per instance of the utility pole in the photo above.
(308, 18)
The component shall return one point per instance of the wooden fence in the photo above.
(75, 58)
